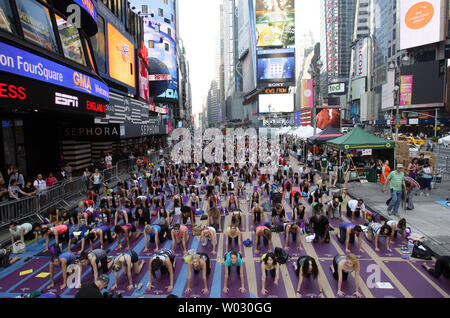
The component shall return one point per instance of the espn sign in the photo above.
(338, 88)
(159, 77)
(66, 100)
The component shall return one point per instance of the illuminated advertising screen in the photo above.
(276, 103)
(160, 40)
(275, 22)
(121, 57)
(276, 66)
(358, 87)
(421, 22)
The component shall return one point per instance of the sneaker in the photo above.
(427, 194)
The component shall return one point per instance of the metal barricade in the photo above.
(76, 186)
(51, 196)
(13, 210)
(110, 174)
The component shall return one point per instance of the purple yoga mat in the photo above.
(124, 246)
(12, 279)
(324, 249)
(162, 281)
(354, 248)
(34, 283)
(178, 248)
(122, 281)
(310, 288)
(262, 249)
(197, 284)
(417, 286)
(208, 248)
(233, 246)
(86, 279)
(234, 283)
(348, 287)
(367, 272)
(442, 282)
(382, 246)
(273, 291)
(293, 250)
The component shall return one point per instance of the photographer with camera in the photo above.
(93, 290)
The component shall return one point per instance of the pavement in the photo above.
(428, 217)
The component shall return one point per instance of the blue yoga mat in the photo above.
(444, 203)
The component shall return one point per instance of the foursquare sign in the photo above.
(20, 62)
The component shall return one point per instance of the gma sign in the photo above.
(338, 88)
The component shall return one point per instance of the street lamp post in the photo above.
(314, 70)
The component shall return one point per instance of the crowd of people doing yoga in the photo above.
(172, 202)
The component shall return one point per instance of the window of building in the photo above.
(394, 34)
(71, 41)
(171, 17)
(160, 12)
(99, 45)
(156, 28)
(151, 44)
(166, 46)
(36, 24)
(6, 17)
(169, 31)
(393, 49)
(389, 52)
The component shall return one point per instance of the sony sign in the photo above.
(338, 88)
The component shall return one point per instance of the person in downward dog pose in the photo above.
(198, 262)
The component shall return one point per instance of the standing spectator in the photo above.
(16, 175)
(131, 161)
(39, 184)
(385, 171)
(412, 186)
(61, 174)
(96, 179)
(427, 176)
(108, 160)
(86, 175)
(29, 188)
(10, 171)
(50, 180)
(3, 189)
(396, 179)
(68, 171)
(412, 168)
(14, 190)
(323, 163)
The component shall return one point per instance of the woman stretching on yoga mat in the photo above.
(164, 216)
(236, 218)
(125, 230)
(209, 234)
(186, 214)
(232, 233)
(299, 212)
(233, 203)
(306, 266)
(233, 259)
(48, 229)
(121, 214)
(163, 260)
(347, 232)
(198, 262)
(254, 199)
(374, 230)
(179, 235)
(342, 266)
(214, 218)
(294, 229)
(100, 233)
(398, 226)
(256, 214)
(266, 234)
(63, 260)
(76, 236)
(441, 267)
(129, 260)
(97, 259)
(269, 264)
(152, 234)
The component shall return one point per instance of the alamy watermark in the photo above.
(74, 18)
(237, 146)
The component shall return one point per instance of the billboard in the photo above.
(275, 22)
(121, 57)
(387, 92)
(421, 22)
(307, 93)
(276, 66)
(428, 83)
(360, 67)
(406, 89)
(336, 89)
(276, 103)
(328, 117)
(160, 39)
(358, 87)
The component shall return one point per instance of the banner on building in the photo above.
(361, 60)
(307, 93)
(406, 83)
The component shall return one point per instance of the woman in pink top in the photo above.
(125, 229)
(50, 180)
(180, 235)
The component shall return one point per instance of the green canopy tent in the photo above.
(358, 138)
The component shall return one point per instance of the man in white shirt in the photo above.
(39, 184)
(108, 160)
(356, 207)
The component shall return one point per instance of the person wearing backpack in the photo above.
(306, 266)
(270, 265)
